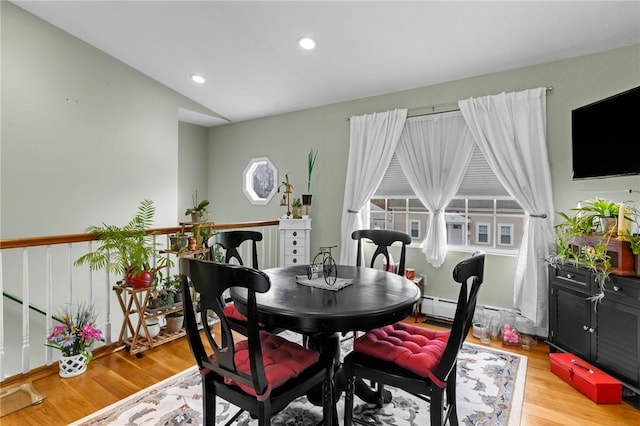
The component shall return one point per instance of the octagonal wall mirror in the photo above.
(259, 180)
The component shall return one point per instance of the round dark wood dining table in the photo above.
(374, 299)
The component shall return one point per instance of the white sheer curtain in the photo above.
(510, 129)
(373, 140)
(434, 152)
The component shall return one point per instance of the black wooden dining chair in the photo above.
(383, 239)
(230, 241)
(415, 359)
(260, 372)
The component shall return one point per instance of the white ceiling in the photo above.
(247, 51)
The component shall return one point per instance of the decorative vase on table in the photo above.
(74, 365)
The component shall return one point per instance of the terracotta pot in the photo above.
(142, 279)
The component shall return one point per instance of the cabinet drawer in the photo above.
(293, 260)
(293, 233)
(623, 290)
(294, 251)
(567, 275)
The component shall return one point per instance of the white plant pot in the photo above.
(71, 366)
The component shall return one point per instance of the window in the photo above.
(259, 180)
(414, 228)
(506, 234)
(482, 233)
(480, 200)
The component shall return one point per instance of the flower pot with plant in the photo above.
(198, 211)
(599, 216)
(288, 189)
(311, 162)
(74, 336)
(127, 250)
(175, 321)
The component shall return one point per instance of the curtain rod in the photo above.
(448, 107)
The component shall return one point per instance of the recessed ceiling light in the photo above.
(197, 78)
(307, 43)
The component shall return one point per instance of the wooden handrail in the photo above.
(12, 243)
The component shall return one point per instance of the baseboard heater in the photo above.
(441, 309)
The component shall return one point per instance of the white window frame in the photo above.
(411, 223)
(511, 228)
(477, 234)
(479, 183)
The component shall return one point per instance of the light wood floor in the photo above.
(547, 400)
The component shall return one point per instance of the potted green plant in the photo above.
(178, 242)
(602, 215)
(288, 188)
(175, 321)
(173, 285)
(127, 250)
(311, 162)
(199, 209)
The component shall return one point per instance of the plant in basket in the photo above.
(74, 336)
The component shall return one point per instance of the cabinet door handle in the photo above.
(591, 330)
(616, 288)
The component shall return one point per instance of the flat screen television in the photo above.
(606, 137)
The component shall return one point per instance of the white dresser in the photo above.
(295, 240)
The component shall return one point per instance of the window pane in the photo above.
(456, 205)
(508, 206)
(481, 205)
(482, 233)
(416, 205)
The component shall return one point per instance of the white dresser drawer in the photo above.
(295, 236)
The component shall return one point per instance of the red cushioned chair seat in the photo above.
(231, 312)
(282, 358)
(416, 349)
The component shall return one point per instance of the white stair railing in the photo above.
(37, 277)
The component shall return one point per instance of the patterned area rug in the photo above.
(490, 391)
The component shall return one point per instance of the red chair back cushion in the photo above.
(413, 348)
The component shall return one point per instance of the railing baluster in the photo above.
(107, 326)
(49, 306)
(1, 321)
(25, 311)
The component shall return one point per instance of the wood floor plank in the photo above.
(548, 401)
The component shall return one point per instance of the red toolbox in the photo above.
(600, 387)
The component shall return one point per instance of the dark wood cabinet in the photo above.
(607, 333)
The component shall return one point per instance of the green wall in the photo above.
(286, 140)
(84, 136)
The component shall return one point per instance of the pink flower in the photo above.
(91, 333)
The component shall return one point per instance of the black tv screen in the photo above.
(606, 137)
